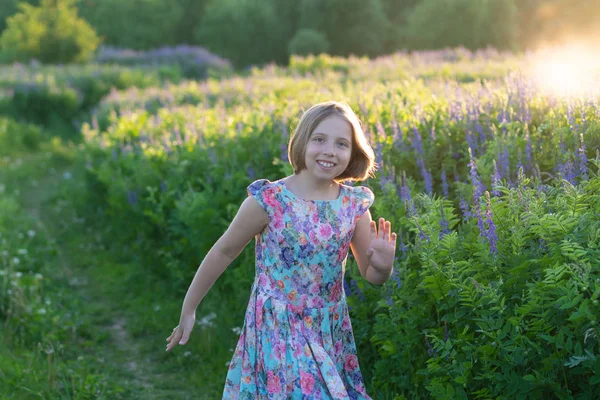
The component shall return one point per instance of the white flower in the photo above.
(38, 276)
(156, 308)
(237, 330)
(16, 260)
(18, 274)
(4, 253)
(207, 320)
(67, 175)
(227, 363)
(187, 354)
(2, 272)
(31, 233)
(22, 251)
(42, 311)
(80, 358)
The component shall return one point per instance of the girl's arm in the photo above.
(249, 221)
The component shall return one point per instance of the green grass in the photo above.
(115, 346)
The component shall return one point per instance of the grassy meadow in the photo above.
(116, 181)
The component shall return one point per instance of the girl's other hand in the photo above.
(383, 246)
(182, 332)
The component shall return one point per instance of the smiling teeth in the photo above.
(326, 165)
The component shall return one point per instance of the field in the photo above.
(116, 181)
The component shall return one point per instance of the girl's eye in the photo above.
(317, 139)
(344, 144)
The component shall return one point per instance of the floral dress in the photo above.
(297, 340)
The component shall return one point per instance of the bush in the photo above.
(15, 137)
(51, 33)
(308, 41)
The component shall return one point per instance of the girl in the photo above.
(297, 340)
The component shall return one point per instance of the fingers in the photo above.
(175, 338)
(384, 232)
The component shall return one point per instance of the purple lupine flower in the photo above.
(396, 278)
(471, 142)
(432, 133)
(163, 186)
(481, 132)
(114, 154)
(528, 151)
(478, 187)
(583, 169)
(490, 233)
(444, 183)
(132, 197)
(426, 176)
(398, 137)
(429, 349)
(464, 207)
(422, 235)
(519, 163)
(347, 288)
(212, 156)
(495, 181)
(379, 154)
(417, 143)
(251, 173)
(567, 171)
(505, 164)
(356, 290)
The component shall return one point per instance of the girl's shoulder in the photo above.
(361, 193)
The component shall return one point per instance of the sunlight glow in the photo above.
(567, 71)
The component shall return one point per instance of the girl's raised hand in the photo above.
(383, 246)
(182, 332)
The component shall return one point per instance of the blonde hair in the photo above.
(362, 159)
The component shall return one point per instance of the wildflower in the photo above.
(495, 180)
(443, 223)
(583, 169)
(67, 175)
(187, 354)
(478, 187)
(132, 197)
(490, 232)
(444, 183)
(22, 251)
(31, 233)
(42, 311)
(16, 260)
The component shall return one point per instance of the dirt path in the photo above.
(119, 353)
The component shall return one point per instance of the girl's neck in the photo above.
(307, 188)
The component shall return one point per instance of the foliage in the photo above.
(474, 24)
(44, 94)
(308, 41)
(135, 24)
(50, 33)
(244, 31)
(15, 137)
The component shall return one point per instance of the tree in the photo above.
(50, 33)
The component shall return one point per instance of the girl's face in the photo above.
(329, 148)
